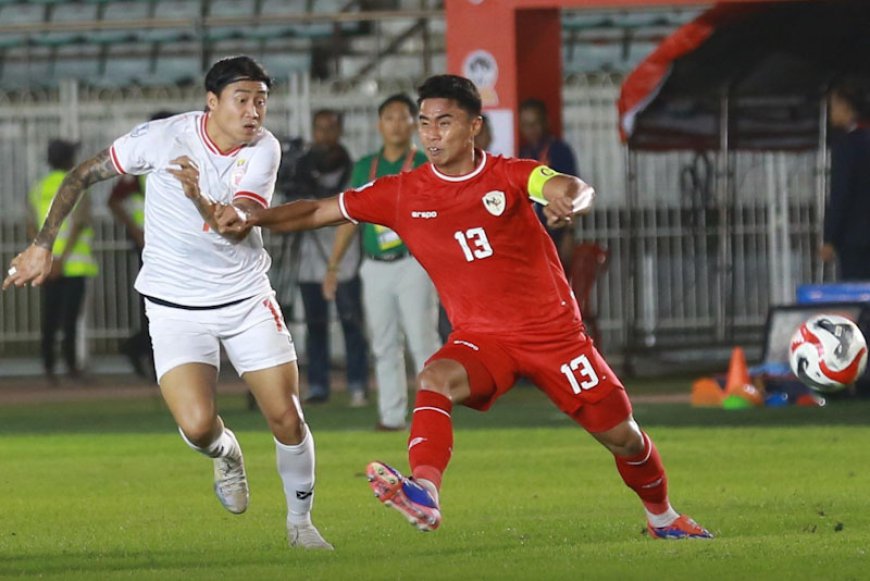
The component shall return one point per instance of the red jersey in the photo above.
(494, 266)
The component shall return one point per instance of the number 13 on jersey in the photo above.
(580, 368)
(474, 243)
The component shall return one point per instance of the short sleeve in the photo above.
(375, 202)
(519, 171)
(257, 182)
(136, 152)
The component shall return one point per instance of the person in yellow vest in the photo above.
(127, 204)
(64, 292)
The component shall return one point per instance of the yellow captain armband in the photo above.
(539, 176)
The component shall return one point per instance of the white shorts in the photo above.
(252, 332)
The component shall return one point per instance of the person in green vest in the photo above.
(127, 204)
(64, 292)
(398, 296)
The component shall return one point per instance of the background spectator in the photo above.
(847, 215)
(63, 293)
(323, 171)
(540, 144)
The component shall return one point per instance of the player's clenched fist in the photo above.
(230, 219)
(32, 265)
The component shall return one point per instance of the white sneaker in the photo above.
(306, 537)
(231, 483)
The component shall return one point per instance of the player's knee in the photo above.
(199, 431)
(433, 379)
(625, 439)
(286, 426)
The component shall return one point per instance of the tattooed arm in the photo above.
(87, 173)
(34, 264)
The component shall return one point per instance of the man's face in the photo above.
(841, 113)
(532, 125)
(396, 124)
(447, 133)
(240, 110)
(326, 130)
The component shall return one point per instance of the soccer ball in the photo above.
(827, 353)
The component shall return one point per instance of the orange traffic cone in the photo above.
(738, 373)
(738, 382)
(707, 393)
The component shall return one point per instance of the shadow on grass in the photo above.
(524, 406)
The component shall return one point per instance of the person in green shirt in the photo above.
(63, 292)
(398, 296)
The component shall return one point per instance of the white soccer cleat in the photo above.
(231, 483)
(307, 537)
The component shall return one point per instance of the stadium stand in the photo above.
(105, 43)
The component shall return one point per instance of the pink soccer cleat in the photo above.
(682, 528)
(405, 495)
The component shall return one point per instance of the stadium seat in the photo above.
(122, 69)
(177, 70)
(126, 11)
(22, 14)
(281, 66)
(231, 8)
(74, 12)
(282, 7)
(26, 75)
(13, 41)
(588, 262)
(61, 12)
(76, 62)
(176, 9)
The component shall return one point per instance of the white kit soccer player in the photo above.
(216, 283)
(204, 290)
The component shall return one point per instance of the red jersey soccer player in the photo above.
(466, 216)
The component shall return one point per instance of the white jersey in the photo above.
(185, 261)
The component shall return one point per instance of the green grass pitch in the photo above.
(107, 490)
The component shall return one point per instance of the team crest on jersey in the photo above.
(239, 171)
(494, 202)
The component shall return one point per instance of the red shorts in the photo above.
(566, 367)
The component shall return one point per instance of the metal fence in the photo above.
(706, 264)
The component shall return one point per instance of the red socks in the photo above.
(431, 441)
(645, 474)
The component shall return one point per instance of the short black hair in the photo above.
(398, 98)
(327, 112)
(234, 69)
(453, 87)
(535, 105)
(61, 154)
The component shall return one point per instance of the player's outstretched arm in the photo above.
(290, 217)
(34, 264)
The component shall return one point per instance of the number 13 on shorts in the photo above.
(580, 374)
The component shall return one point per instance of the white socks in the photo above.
(296, 467)
(225, 445)
(664, 519)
